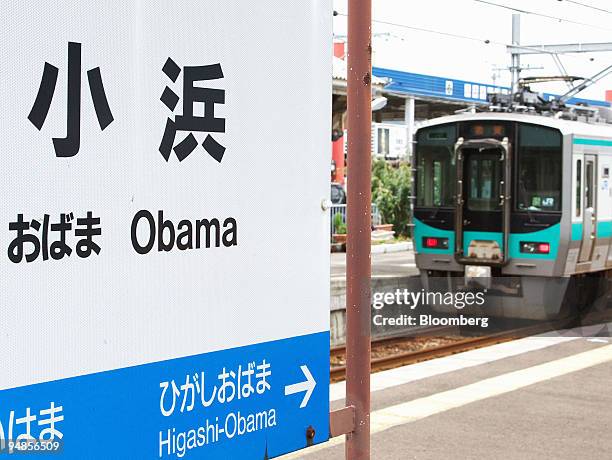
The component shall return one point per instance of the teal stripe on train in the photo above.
(421, 230)
(550, 235)
(594, 142)
(577, 231)
(604, 230)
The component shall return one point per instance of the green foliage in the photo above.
(391, 192)
(339, 225)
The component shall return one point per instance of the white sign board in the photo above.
(164, 274)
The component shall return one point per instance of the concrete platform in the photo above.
(393, 264)
(534, 398)
(390, 271)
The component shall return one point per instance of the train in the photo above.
(519, 202)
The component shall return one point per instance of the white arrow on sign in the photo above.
(307, 385)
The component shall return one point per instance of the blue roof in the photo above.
(451, 89)
(436, 87)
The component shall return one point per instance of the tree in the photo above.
(391, 193)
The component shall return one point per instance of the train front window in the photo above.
(483, 175)
(436, 166)
(539, 169)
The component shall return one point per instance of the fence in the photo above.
(341, 209)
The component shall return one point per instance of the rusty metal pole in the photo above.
(359, 220)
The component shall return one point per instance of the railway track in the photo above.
(453, 345)
(392, 340)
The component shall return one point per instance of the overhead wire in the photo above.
(586, 5)
(554, 55)
(547, 16)
(454, 35)
(422, 29)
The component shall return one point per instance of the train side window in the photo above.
(588, 186)
(578, 188)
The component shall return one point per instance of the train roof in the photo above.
(600, 130)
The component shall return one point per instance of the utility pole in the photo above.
(515, 67)
(359, 220)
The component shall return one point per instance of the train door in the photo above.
(483, 202)
(589, 223)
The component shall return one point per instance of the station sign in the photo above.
(164, 273)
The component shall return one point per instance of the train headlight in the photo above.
(530, 247)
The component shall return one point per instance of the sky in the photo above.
(471, 58)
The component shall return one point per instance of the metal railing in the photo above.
(341, 209)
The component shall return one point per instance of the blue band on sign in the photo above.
(255, 401)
